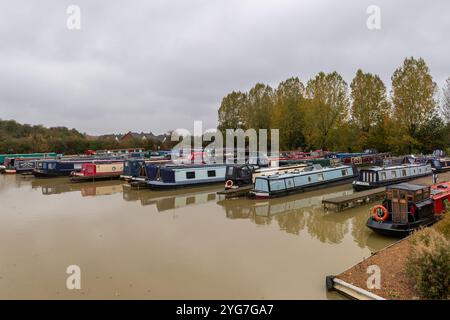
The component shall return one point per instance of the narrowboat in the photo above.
(440, 164)
(244, 174)
(382, 176)
(408, 207)
(134, 168)
(55, 168)
(313, 177)
(178, 176)
(97, 171)
(25, 166)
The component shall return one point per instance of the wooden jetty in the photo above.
(236, 192)
(351, 200)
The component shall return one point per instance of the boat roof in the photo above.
(400, 166)
(317, 169)
(408, 186)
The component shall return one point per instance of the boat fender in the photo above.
(229, 184)
(329, 283)
(376, 215)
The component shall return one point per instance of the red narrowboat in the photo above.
(98, 171)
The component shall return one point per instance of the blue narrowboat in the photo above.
(310, 178)
(25, 166)
(178, 176)
(56, 168)
(383, 176)
(136, 168)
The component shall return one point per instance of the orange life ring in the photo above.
(375, 213)
(229, 184)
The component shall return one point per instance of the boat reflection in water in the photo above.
(293, 214)
(63, 185)
(172, 199)
(304, 212)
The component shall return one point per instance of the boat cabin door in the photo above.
(399, 206)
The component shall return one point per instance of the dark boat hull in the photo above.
(40, 174)
(359, 187)
(94, 178)
(400, 230)
(156, 185)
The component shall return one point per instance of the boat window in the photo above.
(320, 177)
(190, 175)
(394, 174)
(426, 193)
(52, 166)
(211, 173)
(389, 194)
(402, 195)
(344, 172)
(404, 172)
(261, 185)
(230, 171)
(276, 185)
(289, 183)
(383, 176)
(309, 179)
(419, 195)
(394, 194)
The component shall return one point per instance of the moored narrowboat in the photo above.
(178, 176)
(382, 176)
(440, 164)
(98, 171)
(135, 168)
(245, 174)
(408, 207)
(313, 177)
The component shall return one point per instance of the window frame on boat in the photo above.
(190, 175)
(211, 173)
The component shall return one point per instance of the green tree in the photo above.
(329, 106)
(369, 106)
(288, 114)
(258, 111)
(446, 100)
(413, 97)
(232, 110)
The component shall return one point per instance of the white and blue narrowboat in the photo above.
(310, 178)
(383, 176)
(178, 176)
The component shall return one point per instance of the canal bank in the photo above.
(390, 266)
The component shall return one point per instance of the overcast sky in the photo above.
(155, 65)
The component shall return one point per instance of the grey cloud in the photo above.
(159, 65)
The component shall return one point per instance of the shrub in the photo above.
(428, 264)
(443, 226)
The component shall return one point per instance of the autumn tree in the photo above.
(413, 97)
(288, 114)
(328, 94)
(369, 106)
(232, 111)
(259, 105)
(446, 100)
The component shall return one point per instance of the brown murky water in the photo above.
(185, 244)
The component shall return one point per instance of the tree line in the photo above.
(327, 113)
(25, 138)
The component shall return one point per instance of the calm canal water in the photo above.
(185, 244)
